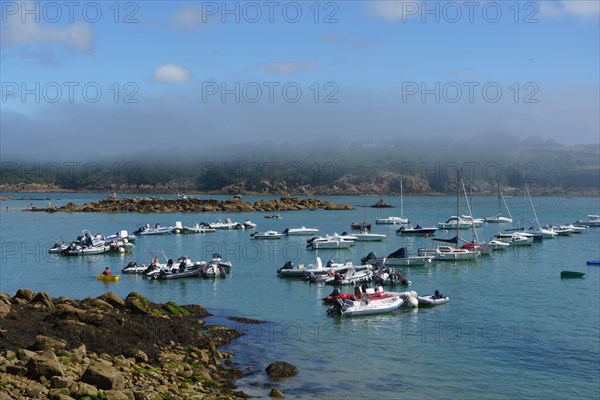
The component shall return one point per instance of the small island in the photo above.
(178, 205)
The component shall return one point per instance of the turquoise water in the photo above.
(513, 328)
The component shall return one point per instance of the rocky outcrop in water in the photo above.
(156, 205)
(109, 348)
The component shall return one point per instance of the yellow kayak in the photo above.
(111, 278)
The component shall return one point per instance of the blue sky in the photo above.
(296, 70)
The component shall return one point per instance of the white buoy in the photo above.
(121, 250)
(412, 302)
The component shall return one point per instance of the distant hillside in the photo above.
(422, 166)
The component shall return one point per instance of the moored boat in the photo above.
(364, 306)
(267, 235)
(301, 231)
(391, 221)
(213, 270)
(329, 242)
(433, 299)
(571, 274)
(593, 262)
(365, 236)
(592, 221)
(153, 230)
(398, 258)
(416, 230)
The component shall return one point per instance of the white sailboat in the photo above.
(498, 218)
(456, 253)
(537, 229)
(401, 220)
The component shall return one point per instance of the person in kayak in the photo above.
(107, 272)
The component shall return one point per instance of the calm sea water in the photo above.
(513, 328)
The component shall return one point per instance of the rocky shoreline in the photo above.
(110, 348)
(156, 205)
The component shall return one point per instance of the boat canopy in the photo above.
(400, 253)
(453, 240)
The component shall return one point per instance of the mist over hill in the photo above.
(328, 166)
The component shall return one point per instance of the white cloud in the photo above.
(188, 18)
(394, 9)
(288, 67)
(579, 8)
(582, 8)
(15, 32)
(171, 73)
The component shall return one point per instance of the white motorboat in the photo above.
(365, 306)
(121, 235)
(227, 224)
(329, 242)
(213, 270)
(391, 221)
(542, 233)
(58, 248)
(517, 238)
(154, 230)
(155, 267)
(350, 276)
(245, 225)
(592, 221)
(216, 259)
(301, 231)
(290, 270)
(476, 222)
(76, 249)
(496, 244)
(267, 235)
(181, 270)
(574, 228)
(560, 231)
(366, 236)
(134, 268)
(197, 228)
(454, 222)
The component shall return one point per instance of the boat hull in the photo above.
(374, 307)
(430, 300)
(108, 278)
(571, 274)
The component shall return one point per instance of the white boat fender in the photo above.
(412, 302)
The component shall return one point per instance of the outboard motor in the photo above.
(370, 256)
(288, 265)
(337, 307)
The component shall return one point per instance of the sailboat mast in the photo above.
(537, 222)
(457, 203)
(499, 196)
(504, 200)
(470, 208)
(401, 201)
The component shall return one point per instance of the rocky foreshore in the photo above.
(110, 348)
(156, 205)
